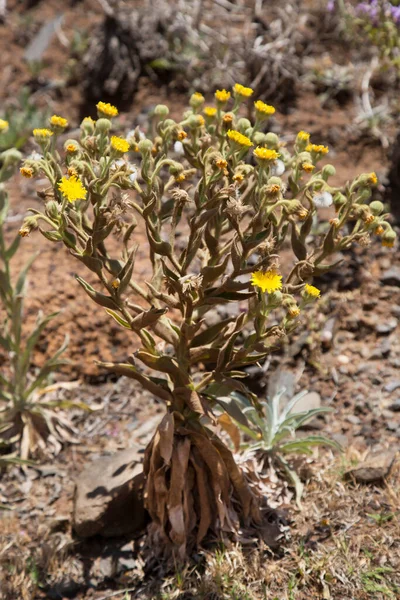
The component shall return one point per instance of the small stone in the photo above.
(343, 359)
(108, 496)
(373, 469)
(391, 276)
(395, 407)
(353, 419)
(392, 386)
(387, 327)
(392, 426)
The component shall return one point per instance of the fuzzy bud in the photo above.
(103, 125)
(161, 111)
(259, 138)
(88, 125)
(243, 124)
(389, 238)
(52, 209)
(328, 171)
(9, 157)
(196, 100)
(145, 146)
(376, 207)
(272, 140)
(339, 200)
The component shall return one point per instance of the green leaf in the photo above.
(22, 276)
(101, 299)
(117, 317)
(11, 250)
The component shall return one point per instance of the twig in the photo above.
(117, 593)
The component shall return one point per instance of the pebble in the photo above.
(392, 426)
(387, 327)
(391, 276)
(392, 386)
(343, 359)
(353, 419)
(395, 407)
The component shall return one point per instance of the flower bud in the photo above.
(243, 124)
(9, 157)
(389, 238)
(28, 225)
(364, 194)
(302, 140)
(272, 140)
(145, 146)
(259, 138)
(328, 171)
(87, 125)
(52, 209)
(196, 100)
(161, 111)
(169, 123)
(103, 125)
(339, 200)
(376, 207)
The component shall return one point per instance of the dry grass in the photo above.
(345, 544)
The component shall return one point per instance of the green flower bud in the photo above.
(376, 207)
(196, 100)
(243, 124)
(52, 209)
(145, 146)
(259, 139)
(328, 171)
(275, 298)
(388, 238)
(175, 168)
(169, 123)
(364, 194)
(9, 157)
(103, 125)
(87, 125)
(161, 111)
(272, 140)
(339, 200)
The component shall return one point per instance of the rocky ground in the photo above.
(345, 541)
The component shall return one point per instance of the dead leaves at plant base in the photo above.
(194, 489)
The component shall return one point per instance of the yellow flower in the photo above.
(116, 283)
(181, 177)
(228, 118)
(293, 311)
(238, 178)
(372, 179)
(242, 91)
(388, 243)
(318, 149)
(221, 163)
(72, 189)
(368, 219)
(210, 111)
(265, 154)
(239, 138)
(119, 144)
(222, 96)
(303, 214)
(200, 120)
(303, 136)
(24, 232)
(379, 230)
(3, 125)
(72, 172)
(57, 121)
(264, 109)
(105, 109)
(182, 135)
(268, 281)
(196, 99)
(42, 134)
(71, 148)
(312, 291)
(307, 167)
(26, 172)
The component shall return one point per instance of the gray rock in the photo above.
(373, 469)
(391, 276)
(395, 407)
(108, 496)
(392, 386)
(386, 327)
(353, 419)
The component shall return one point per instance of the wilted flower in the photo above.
(323, 199)
(191, 283)
(26, 172)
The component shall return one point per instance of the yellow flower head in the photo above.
(303, 136)
(71, 148)
(119, 144)
(182, 135)
(222, 96)
(228, 118)
(105, 109)
(372, 179)
(221, 163)
(388, 243)
(265, 154)
(268, 281)
(26, 172)
(116, 283)
(293, 311)
(312, 291)
(210, 111)
(264, 109)
(3, 125)
(24, 232)
(239, 138)
(307, 167)
(317, 148)
(238, 177)
(42, 134)
(179, 178)
(242, 91)
(379, 230)
(57, 121)
(72, 189)
(200, 121)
